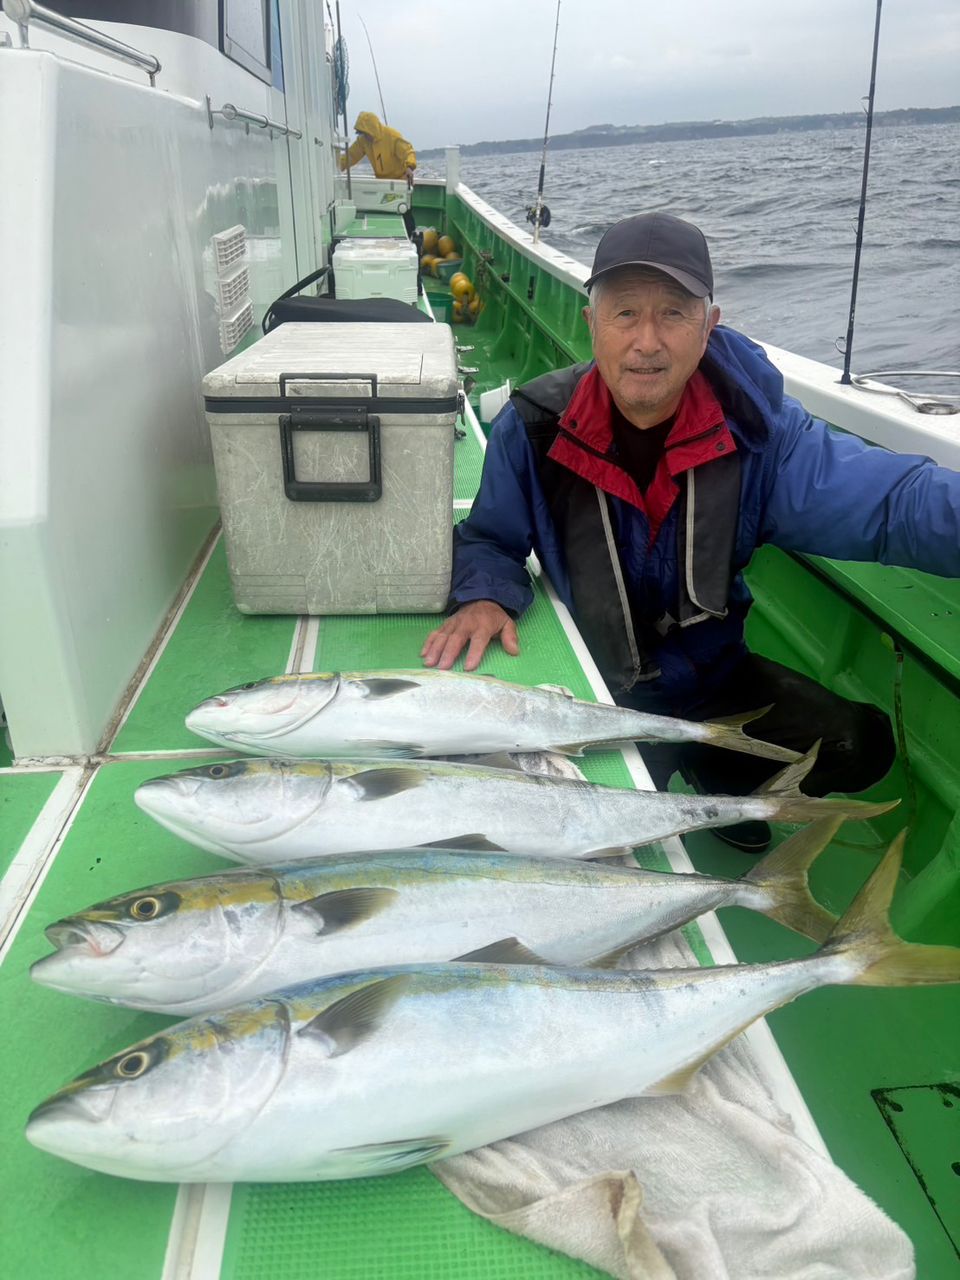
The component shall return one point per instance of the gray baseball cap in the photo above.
(661, 241)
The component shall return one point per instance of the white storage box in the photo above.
(376, 269)
(333, 447)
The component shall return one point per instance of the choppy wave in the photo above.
(780, 213)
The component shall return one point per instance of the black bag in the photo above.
(287, 308)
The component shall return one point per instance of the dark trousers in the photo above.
(857, 746)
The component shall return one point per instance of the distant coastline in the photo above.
(612, 135)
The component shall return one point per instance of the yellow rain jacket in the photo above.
(388, 151)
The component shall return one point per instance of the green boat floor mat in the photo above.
(924, 1121)
(844, 1044)
(213, 647)
(467, 464)
(22, 796)
(402, 1227)
(374, 225)
(105, 1226)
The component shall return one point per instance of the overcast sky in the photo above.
(474, 69)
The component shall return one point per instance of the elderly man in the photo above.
(645, 480)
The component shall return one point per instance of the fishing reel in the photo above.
(544, 218)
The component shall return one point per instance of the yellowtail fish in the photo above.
(264, 811)
(190, 946)
(437, 713)
(374, 1071)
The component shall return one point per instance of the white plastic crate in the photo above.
(234, 328)
(233, 291)
(229, 249)
(371, 268)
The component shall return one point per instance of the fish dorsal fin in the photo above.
(615, 851)
(344, 908)
(348, 1022)
(379, 784)
(474, 842)
(787, 781)
(741, 718)
(505, 951)
(610, 959)
(494, 760)
(385, 687)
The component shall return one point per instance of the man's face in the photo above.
(649, 335)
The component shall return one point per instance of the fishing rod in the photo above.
(383, 109)
(848, 342)
(539, 214)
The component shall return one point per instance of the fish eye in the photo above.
(252, 684)
(132, 1065)
(217, 771)
(145, 908)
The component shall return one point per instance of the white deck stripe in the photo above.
(764, 1047)
(311, 638)
(33, 859)
(198, 1231)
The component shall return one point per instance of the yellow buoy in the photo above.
(475, 305)
(452, 256)
(430, 239)
(461, 285)
(427, 261)
(446, 247)
(457, 312)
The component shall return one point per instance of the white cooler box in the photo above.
(376, 269)
(333, 447)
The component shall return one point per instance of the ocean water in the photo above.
(780, 213)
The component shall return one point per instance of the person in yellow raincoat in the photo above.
(389, 153)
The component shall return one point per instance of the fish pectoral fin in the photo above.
(389, 1157)
(384, 687)
(475, 842)
(344, 908)
(615, 851)
(505, 951)
(389, 750)
(348, 1022)
(378, 784)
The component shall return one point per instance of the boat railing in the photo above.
(229, 112)
(23, 12)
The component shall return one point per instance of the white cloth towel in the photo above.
(713, 1184)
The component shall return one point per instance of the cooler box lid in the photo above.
(389, 368)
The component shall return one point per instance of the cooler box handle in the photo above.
(332, 419)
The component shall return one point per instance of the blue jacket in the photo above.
(805, 487)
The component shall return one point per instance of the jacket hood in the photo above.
(367, 122)
(748, 386)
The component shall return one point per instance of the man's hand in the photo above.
(476, 623)
(409, 177)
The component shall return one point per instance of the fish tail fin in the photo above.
(782, 878)
(863, 934)
(808, 808)
(787, 781)
(727, 732)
